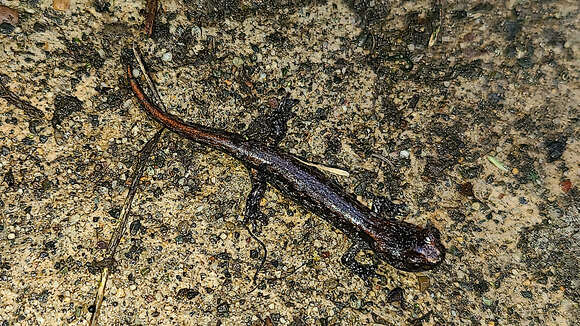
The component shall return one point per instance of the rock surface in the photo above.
(483, 94)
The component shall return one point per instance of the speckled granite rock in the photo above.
(412, 98)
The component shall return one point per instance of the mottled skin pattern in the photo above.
(403, 245)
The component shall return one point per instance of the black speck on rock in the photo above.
(520, 157)
(94, 119)
(6, 28)
(223, 308)
(526, 62)
(459, 14)
(456, 215)
(102, 6)
(554, 38)
(512, 28)
(483, 6)
(277, 38)
(135, 227)
(527, 294)
(187, 293)
(471, 172)
(435, 168)
(50, 245)
(114, 212)
(85, 53)
(64, 106)
(224, 256)
(33, 126)
(396, 295)
(39, 27)
(555, 148)
(160, 32)
(9, 178)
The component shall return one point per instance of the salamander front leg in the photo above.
(364, 271)
(252, 213)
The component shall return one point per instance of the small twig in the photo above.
(435, 33)
(384, 159)
(145, 73)
(152, 7)
(147, 77)
(498, 164)
(124, 217)
(24, 105)
(326, 168)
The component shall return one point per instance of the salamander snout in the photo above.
(409, 247)
(429, 251)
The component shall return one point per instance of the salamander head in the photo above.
(409, 247)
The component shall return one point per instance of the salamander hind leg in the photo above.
(270, 127)
(364, 271)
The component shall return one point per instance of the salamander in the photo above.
(403, 245)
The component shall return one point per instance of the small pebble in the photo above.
(61, 5)
(167, 56)
(396, 295)
(238, 62)
(404, 154)
(556, 148)
(135, 227)
(8, 15)
(424, 283)
(566, 185)
(11, 236)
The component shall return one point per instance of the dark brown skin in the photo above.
(403, 245)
